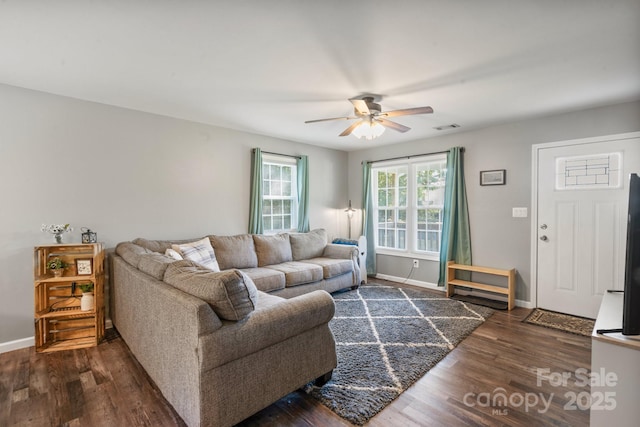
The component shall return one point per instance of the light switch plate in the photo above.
(519, 212)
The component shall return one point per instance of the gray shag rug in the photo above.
(386, 339)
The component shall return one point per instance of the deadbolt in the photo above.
(543, 227)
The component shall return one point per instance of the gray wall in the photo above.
(498, 240)
(127, 174)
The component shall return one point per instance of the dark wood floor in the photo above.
(105, 386)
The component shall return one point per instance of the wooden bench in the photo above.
(509, 291)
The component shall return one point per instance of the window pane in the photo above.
(277, 222)
(286, 206)
(402, 197)
(266, 207)
(402, 239)
(286, 173)
(402, 178)
(266, 188)
(275, 172)
(382, 198)
(402, 218)
(286, 189)
(276, 189)
(277, 207)
(287, 222)
(266, 222)
(382, 180)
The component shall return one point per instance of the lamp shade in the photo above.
(368, 130)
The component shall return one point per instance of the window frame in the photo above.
(272, 159)
(411, 228)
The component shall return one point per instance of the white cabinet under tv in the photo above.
(615, 369)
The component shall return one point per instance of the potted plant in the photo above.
(57, 266)
(86, 302)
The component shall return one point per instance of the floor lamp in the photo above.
(350, 211)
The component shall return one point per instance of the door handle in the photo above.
(544, 238)
(543, 227)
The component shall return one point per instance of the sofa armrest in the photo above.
(333, 250)
(266, 326)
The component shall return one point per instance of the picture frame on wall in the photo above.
(493, 177)
(84, 267)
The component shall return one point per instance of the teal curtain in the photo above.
(367, 218)
(303, 194)
(456, 235)
(255, 205)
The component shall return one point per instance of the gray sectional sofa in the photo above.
(222, 345)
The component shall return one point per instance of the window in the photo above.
(408, 203)
(279, 194)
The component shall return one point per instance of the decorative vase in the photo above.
(57, 272)
(58, 237)
(86, 302)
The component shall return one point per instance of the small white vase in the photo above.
(86, 302)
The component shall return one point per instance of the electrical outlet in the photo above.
(416, 263)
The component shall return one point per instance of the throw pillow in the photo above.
(272, 249)
(200, 252)
(231, 294)
(235, 251)
(173, 254)
(308, 245)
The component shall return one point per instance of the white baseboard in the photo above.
(17, 344)
(31, 341)
(435, 287)
(427, 285)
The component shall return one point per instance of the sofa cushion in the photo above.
(234, 251)
(154, 264)
(266, 279)
(308, 245)
(332, 267)
(131, 252)
(298, 273)
(200, 252)
(272, 249)
(231, 294)
(159, 245)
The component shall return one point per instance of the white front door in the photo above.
(582, 197)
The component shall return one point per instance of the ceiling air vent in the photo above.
(444, 127)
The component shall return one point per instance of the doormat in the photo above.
(491, 303)
(386, 339)
(563, 322)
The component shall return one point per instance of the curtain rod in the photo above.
(278, 154)
(409, 157)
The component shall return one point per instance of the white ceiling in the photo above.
(267, 66)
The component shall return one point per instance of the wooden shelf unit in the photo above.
(59, 322)
(509, 290)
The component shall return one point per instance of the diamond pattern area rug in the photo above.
(386, 339)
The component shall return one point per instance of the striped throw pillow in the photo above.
(200, 252)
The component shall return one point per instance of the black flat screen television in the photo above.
(631, 305)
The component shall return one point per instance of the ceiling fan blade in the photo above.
(332, 118)
(392, 125)
(350, 129)
(360, 106)
(408, 111)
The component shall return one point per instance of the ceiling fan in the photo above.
(373, 120)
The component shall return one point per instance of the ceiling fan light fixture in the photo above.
(368, 130)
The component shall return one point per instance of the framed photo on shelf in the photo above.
(493, 177)
(84, 267)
